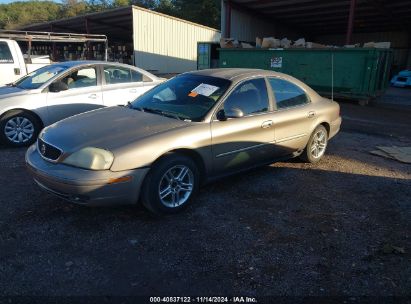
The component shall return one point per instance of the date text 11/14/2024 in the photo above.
(203, 300)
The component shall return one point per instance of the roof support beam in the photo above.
(107, 24)
(350, 25)
(227, 18)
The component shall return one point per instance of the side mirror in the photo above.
(221, 115)
(58, 86)
(234, 113)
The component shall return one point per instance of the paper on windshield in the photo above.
(204, 89)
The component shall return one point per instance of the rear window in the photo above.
(5, 54)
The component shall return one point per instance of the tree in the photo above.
(206, 12)
(72, 8)
(149, 4)
(166, 7)
(17, 14)
(119, 3)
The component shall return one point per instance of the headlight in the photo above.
(91, 158)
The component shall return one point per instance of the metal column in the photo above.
(350, 22)
(228, 19)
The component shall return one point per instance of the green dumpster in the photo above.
(357, 73)
(207, 55)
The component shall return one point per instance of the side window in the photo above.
(5, 54)
(81, 78)
(115, 75)
(250, 97)
(287, 94)
(138, 77)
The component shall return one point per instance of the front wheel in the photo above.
(19, 128)
(316, 146)
(171, 184)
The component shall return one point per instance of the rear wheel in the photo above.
(19, 128)
(316, 146)
(171, 184)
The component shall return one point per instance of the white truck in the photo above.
(14, 65)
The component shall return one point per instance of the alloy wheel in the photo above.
(319, 144)
(176, 186)
(19, 130)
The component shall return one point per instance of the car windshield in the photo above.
(186, 97)
(36, 79)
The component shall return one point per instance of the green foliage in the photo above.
(20, 13)
(72, 8)
(206, 12)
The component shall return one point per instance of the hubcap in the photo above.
(19, 130)
(319, 144)
(176, 186)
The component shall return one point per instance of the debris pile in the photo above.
(285, 43)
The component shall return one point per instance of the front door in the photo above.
(246, 141)
(83, 94)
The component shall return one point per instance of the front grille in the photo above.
(48, 151)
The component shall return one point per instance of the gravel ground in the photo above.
(338, 228)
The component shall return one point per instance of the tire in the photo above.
(316, 146)
(163, 178)
(19, 128)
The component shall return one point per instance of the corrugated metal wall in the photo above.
(246, 27)
(400, 43)
(166, 44)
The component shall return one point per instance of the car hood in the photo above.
(107, 128)
(9, 91)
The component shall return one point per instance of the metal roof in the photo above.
(331, 17)
(116, 24)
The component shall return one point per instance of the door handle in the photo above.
(93, 96)
(311, 114)
(267, 124)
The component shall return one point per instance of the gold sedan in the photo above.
(194, 128)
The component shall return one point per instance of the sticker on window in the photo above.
(205, 89)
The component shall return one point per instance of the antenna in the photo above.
(332, 76)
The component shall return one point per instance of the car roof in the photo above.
(79, 63)
(235, 74)
(88, 62)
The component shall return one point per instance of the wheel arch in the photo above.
(27, 111)
(194, 155)
(326, 125)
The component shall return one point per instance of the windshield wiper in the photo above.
(163, 113)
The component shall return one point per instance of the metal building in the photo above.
(147, 39)
(335, 22)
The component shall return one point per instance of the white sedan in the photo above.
(61, 90)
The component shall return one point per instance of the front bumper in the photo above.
(85, 187)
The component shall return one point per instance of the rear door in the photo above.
(243, 142)
(122, 84)
(293, 115)
(83, 94)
